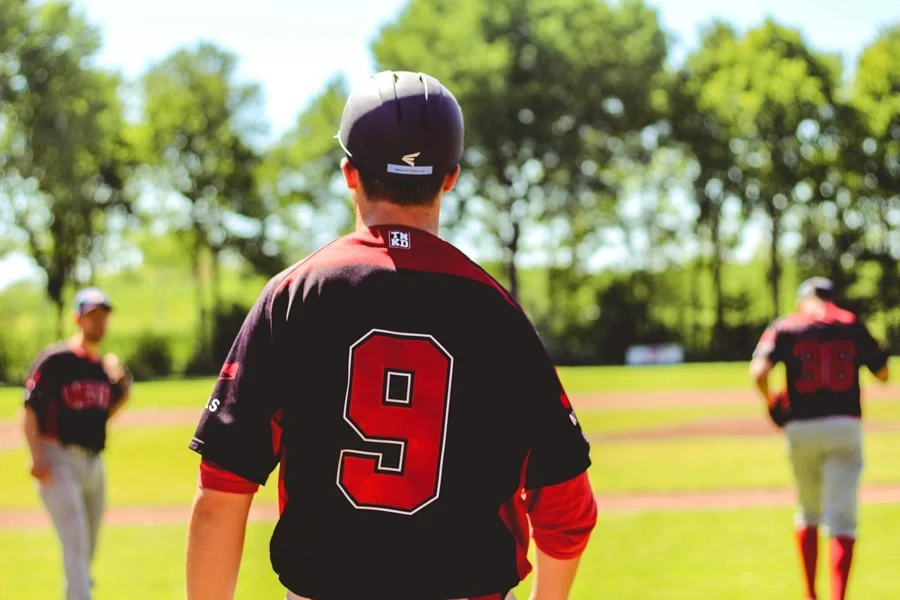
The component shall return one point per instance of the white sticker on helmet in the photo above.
(407, 170)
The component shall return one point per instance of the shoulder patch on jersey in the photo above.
(229, 371)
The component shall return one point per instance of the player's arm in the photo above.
(562, 518)
(216, 533)
(38, 395)
(767, 354)
(40, 468)
(559, 500)
(873, 354)
(120, 379)
(237, 440)
(759, 373)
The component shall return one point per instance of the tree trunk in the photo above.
(202, 326)
(696, 306)
(775, 265)
(716, 270)
(60, 315)
(510, 258)
(215, 281)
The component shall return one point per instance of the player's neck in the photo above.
(374, 214)
(816, 309)
(78, 340)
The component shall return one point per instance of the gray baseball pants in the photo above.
(826, 455)
(75, 499)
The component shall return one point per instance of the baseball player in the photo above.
(415, 414)
(70, 394)
(823, 348)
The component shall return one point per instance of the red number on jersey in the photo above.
(398, 394)
(827, 365)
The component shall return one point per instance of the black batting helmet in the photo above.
(402, 126)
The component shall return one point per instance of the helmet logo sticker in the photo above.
(410, 159)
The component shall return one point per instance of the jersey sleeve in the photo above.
(237, 430)
(770, 345)
(871, 353)
(562, 517)
(40, 389)
(559, 451)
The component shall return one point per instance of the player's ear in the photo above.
(351, 174)
(451, 178)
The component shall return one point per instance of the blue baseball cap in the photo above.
(90, 298)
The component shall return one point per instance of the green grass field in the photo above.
(740, 554)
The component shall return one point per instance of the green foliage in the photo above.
(877, 97)
(197, 132)
(553, 92)
(64, 159)
(583, 141)
(301, 177)
(151, 358)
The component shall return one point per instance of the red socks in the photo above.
(808, 545)
(841, 557)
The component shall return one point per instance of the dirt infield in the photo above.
(669, 501)
(713, 427)
(11, 435)
(693, 398)
(11, 432)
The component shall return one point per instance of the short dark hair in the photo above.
(421, 192)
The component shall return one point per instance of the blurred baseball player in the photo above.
(69, 396)
(823, 348)
(417, 419)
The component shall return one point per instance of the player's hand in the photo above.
(114, 368)
(780, 408)
(40, 470)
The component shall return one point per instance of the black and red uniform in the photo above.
(823, 354)
(414, 411)
(72, 396)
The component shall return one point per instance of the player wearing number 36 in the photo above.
(417, 419)
(823, 348)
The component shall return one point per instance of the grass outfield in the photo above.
(665, 555)
(146, 466)
(183, 393)
(699, 555)
(718, 463)
(152, 465)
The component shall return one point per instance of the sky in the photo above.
(292, 47)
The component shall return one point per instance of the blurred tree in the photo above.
(551, 91)
(708, 140)
(64, 158)
(770, 85)
(877, 96)
(828, 211)
(301, 177)
(197, 130)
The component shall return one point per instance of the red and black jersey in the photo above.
(72, 396)
(409, 401)
(822, 354)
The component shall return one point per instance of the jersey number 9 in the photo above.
(398, 394)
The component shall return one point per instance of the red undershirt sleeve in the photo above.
(562, 516)
(214, 477)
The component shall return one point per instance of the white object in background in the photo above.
(657, 354)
